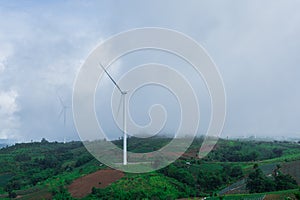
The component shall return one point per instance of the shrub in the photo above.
(12, 194)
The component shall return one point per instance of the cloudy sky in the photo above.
(254, 43)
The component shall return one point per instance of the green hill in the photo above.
(46, 169)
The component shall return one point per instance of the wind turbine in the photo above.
(123, 95)
(63, 112)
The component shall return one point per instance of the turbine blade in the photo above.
(114, 82)
(119, 106)
(61, 101)
(65, 117)
(61, 112)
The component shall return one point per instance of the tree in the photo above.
(12, 185)
(278, 152)
(44, 141)
(297, 194)
(256, 181)
(214, 182)
(285, 182)
(83, 160)
(236, 172)
(251, 156)
(61, 193)
(12, 194)
(22, 157)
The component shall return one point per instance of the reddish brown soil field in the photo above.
(100, 179)
(271, 197)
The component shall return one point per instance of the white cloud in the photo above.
(45, 45)
(9, 120)
(8, 102)
(6, 50)
(2, 67)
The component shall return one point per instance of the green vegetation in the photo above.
(205, 180)
(45, 169)
(245, 151)
(144, 187)
(40, 164)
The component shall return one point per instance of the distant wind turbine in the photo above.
(63, 112)
(123, 93)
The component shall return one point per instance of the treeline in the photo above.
(236, 151)
(257, 182)
(204, 182)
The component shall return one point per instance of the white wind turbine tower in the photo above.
(63, 112)
(123, 93)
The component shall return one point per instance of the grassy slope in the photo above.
(143, 186)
